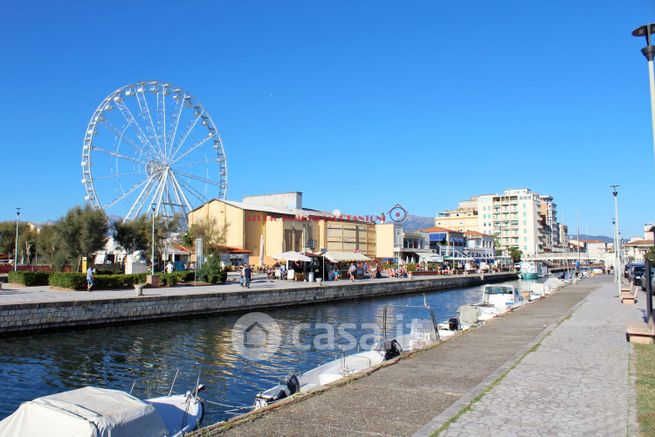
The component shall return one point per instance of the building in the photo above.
(464, 218)
(412, 247)
(548, 213)
(266, 225)
(479, 245)
(637, 247)
(518, 218)
(513, 217)
(563, 235)
(445, 242)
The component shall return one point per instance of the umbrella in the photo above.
(291, 256)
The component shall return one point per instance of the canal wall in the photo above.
(44, 316)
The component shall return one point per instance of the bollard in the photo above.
(649, 292)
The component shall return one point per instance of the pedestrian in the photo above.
(90, 278)
(351, 271)
(170, 267)
(247, 274)
(242, 276)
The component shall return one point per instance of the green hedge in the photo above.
(29, 278)
(77, 281)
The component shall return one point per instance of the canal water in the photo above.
(148, 354)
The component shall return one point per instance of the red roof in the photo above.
(640, 243)
(438, 229)
(232, 249)
(476, 233)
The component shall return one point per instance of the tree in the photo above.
(8, 237)
(212, 235)
(515, 253)
(133, 235)
(83, 232)
(51, 247)
(650, 255)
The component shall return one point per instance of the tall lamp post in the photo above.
(16, 248)
(152, 249)
(617, 241)
(649, 52)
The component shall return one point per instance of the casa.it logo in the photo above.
(397, 213)
(256, 336)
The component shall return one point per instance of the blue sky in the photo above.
(360, 105)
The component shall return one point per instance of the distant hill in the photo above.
(416, 222)
(602, 238)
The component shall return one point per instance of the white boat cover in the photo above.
(85, 412)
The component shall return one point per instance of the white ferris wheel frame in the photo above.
(159, 145)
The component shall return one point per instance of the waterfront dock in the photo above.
(30, 309)
(539, 353)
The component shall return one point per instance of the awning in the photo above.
(336, 256)
(291, 256)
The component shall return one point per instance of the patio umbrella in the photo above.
(291, 256)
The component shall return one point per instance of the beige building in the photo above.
(463, 218)
(271, 224)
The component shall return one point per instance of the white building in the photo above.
(548, 212)
(513, 217)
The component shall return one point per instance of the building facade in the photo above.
(267, 225)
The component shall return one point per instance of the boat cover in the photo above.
(85, 412)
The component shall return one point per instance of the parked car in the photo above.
(652, 280)
(635, 273)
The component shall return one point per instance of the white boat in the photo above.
(498, 299)
(423, 332)
(324, 374)
(101, 412)
(532, 270)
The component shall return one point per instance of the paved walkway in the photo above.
(576, 383)
(23, 295)
(400, 399)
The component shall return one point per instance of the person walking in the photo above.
(247, 274)
(242, 276)
(90, 278)
(170, 267)
(351, 271)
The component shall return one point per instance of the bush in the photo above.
(29, 279)
(168, 279)
(77, 281)
(212, 272)
(185, 275)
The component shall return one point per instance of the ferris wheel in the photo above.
(151, 146)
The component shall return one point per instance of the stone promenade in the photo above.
(575, 384)
(401, 399)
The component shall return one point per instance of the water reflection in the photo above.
(150, 353)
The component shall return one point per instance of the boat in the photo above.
(531, 270)
(498, 299)
(327, 373)
(423, 333)
(101, 412)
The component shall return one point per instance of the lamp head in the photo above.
(153, 206)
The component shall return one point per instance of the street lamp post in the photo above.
(617, 240)
(152, 249)
(649, 52)
(16, 248)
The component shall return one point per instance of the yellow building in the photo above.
(464, 218)
(271, 224)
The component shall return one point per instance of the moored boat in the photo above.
(498, 299)
(101, 412)
(531, 270)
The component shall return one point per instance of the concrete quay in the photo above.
(420, 393)
(31, 309)
(577, 383)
